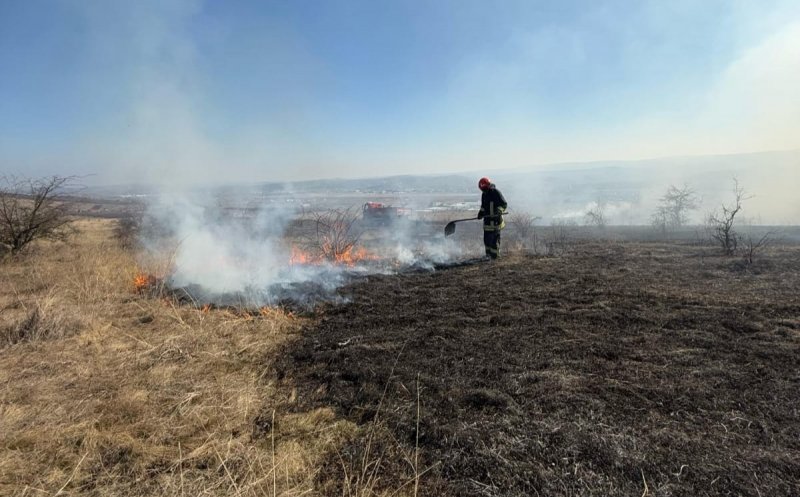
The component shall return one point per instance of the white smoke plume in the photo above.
(222, 255)
(226, 252)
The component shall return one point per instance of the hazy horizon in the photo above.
(568, 166)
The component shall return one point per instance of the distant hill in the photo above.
(629, 189)
(454, 183)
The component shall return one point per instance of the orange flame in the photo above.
(274, 312)
(301, 257)
(143, 281)
(350, 257)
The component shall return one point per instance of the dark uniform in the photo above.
(493, 205)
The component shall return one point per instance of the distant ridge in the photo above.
(685, 168)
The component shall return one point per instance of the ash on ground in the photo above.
(328, 287)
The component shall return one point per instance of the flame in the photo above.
(300, 257)
(349, 257)
(352, 256)
(143, 281)
(274, 312)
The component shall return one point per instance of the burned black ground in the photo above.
(625, 369)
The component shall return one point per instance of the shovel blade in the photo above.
(450, 228)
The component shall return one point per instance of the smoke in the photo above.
(423, 254)
(186, 112)
(235, 256)
(612, 213)
(226, 249)
(225, 242)
(630, 191)
(755, 100)
(220, 247)
(220, 253)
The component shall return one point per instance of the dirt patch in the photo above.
(606, 372)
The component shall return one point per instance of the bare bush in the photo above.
(30, 209)
(596, 216)
(331, 234)
(660, 219)
(721, 224)
(674, 207)
(752, 245)
(523, 229)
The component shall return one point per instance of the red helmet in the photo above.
(484, 183)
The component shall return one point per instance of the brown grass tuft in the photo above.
(44, 319)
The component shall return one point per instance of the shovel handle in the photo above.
(451, 226)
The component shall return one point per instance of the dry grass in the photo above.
(105, 392)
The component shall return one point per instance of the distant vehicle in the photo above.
(377, 213)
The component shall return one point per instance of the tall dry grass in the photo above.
(106, 392)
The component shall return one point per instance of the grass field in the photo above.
(107, 392)
(613, 369)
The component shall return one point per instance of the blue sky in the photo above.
(218, 91)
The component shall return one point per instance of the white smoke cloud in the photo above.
(225, 251)
(163, 140)
(220, 254)
(756, 101)
(233, 256)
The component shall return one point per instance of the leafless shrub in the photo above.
(30, 209)
(596, 216)
(674, 207)
(753, 245)
(660, 219)
(523, 230)
(721, 224)
(331, 234)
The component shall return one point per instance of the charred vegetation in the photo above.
(609, 371)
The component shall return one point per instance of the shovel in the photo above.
(451, 226)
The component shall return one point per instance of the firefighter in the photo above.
(493, 206)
